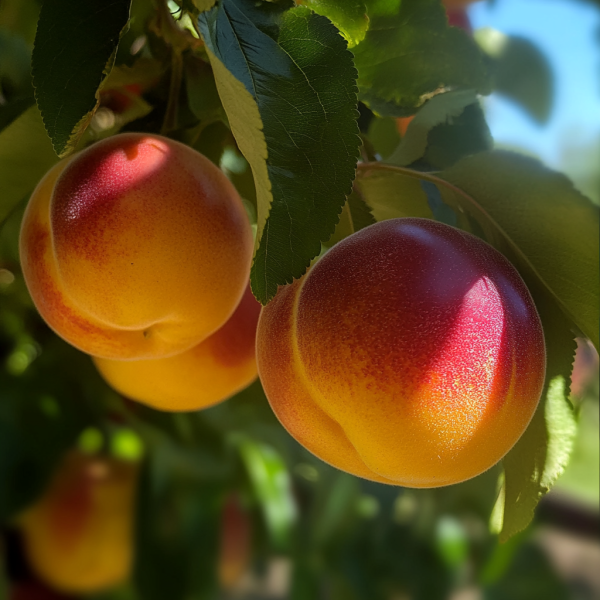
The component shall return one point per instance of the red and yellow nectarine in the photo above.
(212, 371)
(79, 536)
(410, 354)
(137, 247)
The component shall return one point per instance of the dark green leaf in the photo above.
(203, 98)
(355, 216)
(177, 528)
(359, 210)
(296, 127)
(74, 49)
(537, 460)
(465, 135)
(16, 91)
(410, 54)
(446, 128)
(521, 72)
(42, 412)
(15, 58)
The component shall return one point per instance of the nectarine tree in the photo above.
(166, 168)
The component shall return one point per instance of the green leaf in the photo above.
(15, 58)
(25, 155)
(203, 97)
(272, 486)
(295, 127)
(354, 216)
(391, 194)
(465, 135)
(581, 479)
(349, 16)
(74, 49)
(337, 505)
(530, 576)
(410, 54)
(177, 532)
(16, 91)
(537, 460)
(384, 136)
(549, 226)
(446, 128)
(144, 72)
(359, 211)
(521, 71)
(15, 108)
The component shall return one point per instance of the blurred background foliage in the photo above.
(228, 504)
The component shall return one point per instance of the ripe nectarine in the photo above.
(410, 354)
(137, 247)
(79, 536)
(212, 371)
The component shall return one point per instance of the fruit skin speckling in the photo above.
(137, 247)
(410, 354)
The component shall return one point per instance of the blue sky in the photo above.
(567, 32)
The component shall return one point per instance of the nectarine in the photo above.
(137, 247)
(212, 371)
(235, 542)
(79, 536)
(410, 354)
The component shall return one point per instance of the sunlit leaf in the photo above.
(410, 54)
(272, 485)
(25, 155)
(349, 16)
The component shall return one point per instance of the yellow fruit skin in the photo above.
(78, 537)
(137, 247)
(411, 354)
(210, 372)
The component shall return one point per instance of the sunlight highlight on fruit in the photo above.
(136, 247)
(410, 354)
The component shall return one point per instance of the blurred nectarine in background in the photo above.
(137, 247)
(78, 537)
(411, 354)
(235, 542)
(212, 371)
